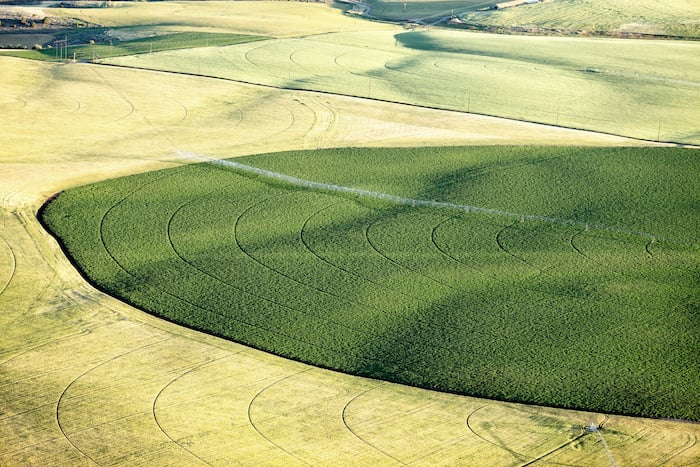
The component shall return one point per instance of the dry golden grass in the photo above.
(275, 19)
(86, 379)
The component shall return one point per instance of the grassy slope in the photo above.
(646, 89)
(662, 17)
(276, 19)
(363, 289)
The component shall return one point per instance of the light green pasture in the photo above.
(643, 89)
(668, 17)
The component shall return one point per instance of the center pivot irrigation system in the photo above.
(330, 188)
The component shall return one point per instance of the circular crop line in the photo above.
(501, 245)
(155, 401)
(257, 430)
(397, 263)
(317, 131)
(157, 290)
(371, 331)
(241, 116)
(45, 343)
(442, 250)
(691, 442)
(65, 390)
(468, 422)
(75, 109)
(355, 434)
(254, 49)
(13, 266)
(573, 244)
(185, 113)
(117, 92)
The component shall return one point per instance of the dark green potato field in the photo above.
(581, 289)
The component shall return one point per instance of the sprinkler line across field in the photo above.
(326, 187)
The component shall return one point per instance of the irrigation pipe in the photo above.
(327, 187)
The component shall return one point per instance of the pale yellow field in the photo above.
(86, 379)
(275, 19)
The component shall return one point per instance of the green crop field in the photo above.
(556, 276)
(642, 89)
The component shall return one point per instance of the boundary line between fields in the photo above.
(389, 101)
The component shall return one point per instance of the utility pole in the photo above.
(61, 47)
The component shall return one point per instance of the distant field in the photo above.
(158, 43)
(572, 284)
(276, 19)
(643, 89)
(656, 17)
(422, 9)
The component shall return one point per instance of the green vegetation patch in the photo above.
(556, 276)
(116, 48)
